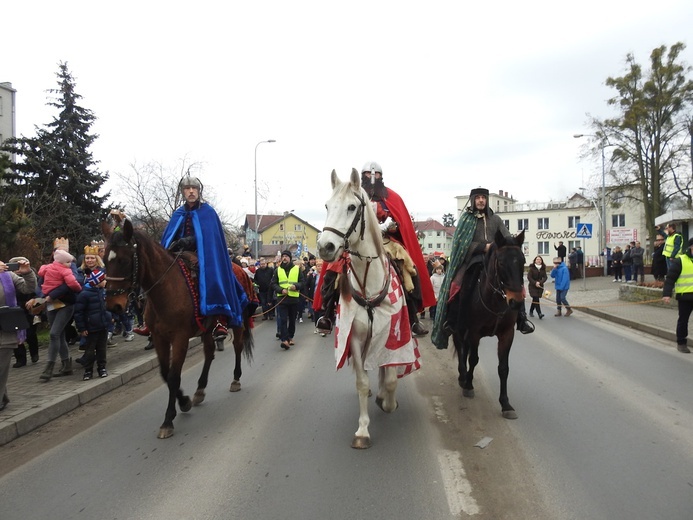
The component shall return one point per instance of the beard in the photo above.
(376, 190)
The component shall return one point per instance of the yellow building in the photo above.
(275, 233)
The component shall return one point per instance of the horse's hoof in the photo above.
(370, 393)
(379, 402)
(220, 344)
(165, 432)
(361, 443)
(235, 386)
(467, 392)
(198, 397)
(186, 404)
(510, 414)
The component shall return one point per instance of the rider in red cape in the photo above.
(195, 226)
(395, 217)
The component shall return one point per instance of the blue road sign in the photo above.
(584, 231)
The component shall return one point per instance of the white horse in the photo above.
(372, 327)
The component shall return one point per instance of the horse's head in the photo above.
(510, 267)
(349, 218)
(121, 265)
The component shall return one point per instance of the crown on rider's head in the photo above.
(61, 243)
(91, 250)
(98, 244)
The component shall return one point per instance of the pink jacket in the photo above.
(55, 274)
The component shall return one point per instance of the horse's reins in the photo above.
(498, 289)
(368, 303)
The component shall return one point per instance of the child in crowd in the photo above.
(92, 320)
(437, 282)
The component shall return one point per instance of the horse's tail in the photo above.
(248, 341)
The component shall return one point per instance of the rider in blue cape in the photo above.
(195, 226)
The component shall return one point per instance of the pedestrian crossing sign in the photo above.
(584, 231)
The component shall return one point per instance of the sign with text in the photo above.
(618, 236)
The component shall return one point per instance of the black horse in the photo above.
(494, 293)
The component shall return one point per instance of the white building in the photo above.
(547, 223)
(7, 111)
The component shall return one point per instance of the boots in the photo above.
(48, 372)
(539, 313)
(568, 311)
(418, 330)
(558, 313)
(324, 323)
(20, 355)
(523, 324)
(65, 368)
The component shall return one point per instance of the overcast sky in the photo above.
(446, 96)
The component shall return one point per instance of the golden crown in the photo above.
(91, 250)
(99, 244)
(61, 243)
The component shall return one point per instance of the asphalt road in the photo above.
(604, 431)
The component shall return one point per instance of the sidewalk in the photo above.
(33, 403)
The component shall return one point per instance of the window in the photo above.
(542, 248)
(437, 233)
(438, 246)
(543, 223)
(429, 246)
(281, 227)
(507, 224)
(573, 222)
(298, 227)
(573, 244)
(522, 223)
(618, 220)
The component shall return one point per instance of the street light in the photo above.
(603, 219)
(257, 224)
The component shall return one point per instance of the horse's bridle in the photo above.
(360, 216)
(498, 288)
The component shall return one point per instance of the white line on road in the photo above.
(457, 488)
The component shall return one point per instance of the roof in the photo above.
(267, 221)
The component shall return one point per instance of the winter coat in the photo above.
(617, 258)
(437, 283)
(535, 275)
(627, 260)
(562, 276)
(23, 284)
(55, 274)
(90, 310)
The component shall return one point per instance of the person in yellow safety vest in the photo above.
(673, 246)
(287, 282)
(680, 275)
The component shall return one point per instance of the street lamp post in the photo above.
(603, 216)
(257, 224)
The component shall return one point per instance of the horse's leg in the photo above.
(362, 438)
(471, 353)
(208, 345)
(238, 350)
(173, 378)
(505, 341)
(386, 399)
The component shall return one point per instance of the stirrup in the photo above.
(526, 327)
(324, 325)
(220, 332)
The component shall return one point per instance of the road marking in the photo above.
(439, 409)
(457, 488)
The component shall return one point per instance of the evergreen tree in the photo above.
(57, 179)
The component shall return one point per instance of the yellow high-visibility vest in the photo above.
(684, 283)
(669, 246)
(287, 281)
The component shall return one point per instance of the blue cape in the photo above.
(220, 292)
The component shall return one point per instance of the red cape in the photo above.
(400, 214)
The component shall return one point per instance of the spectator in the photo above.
(659, 263)
(572, 259)
(31, 338)
(637, 254)
(437, 282)
(562, 279)
(560, 251)
(673, 246)
(580, 262)
(60, 309)
(617, 263)
(13, 321)
(263, 281)
(93, 320)
(536, 276)
(627, 263)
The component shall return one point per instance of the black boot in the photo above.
(523, 324)
(20, 355)
(65, 368)
(330, 298)
(48, 372)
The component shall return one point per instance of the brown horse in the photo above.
(138, 266)
(490, 309)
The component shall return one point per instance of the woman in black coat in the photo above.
(536, 276)
(617, 263)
